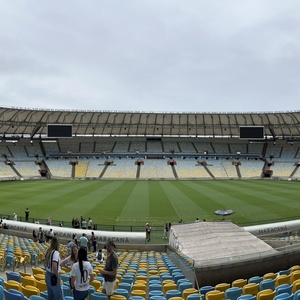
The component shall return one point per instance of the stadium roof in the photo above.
(33, 122)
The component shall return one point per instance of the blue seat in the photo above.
(155, 293)
(297, 295)
(184, 285)
(66, 290)
(255, 279)
(233, 293)
(155, 287)
(157, 298)
(178, 276)
(1, 292)
(126, 286)
(284, 296)
(247, 297)
(68, 298)
(172, 293)
(44, 295)
(13, 295)
(10, 260)
(195, 297)
(122, 292)
(206, 288)
(65, 277)
(284, 288)
(98, 296)
(136, 298)
(267, 284)
(182, 280)
(10, 275)
(35, 297)
(1, 282)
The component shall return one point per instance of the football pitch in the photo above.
(133, 203)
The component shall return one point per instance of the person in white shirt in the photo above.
(52, 264)
(81, 276)
(15, 217)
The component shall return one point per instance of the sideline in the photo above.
(118, 237)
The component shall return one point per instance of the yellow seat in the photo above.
(214, 295)
(267, 294)
(29, 290)
(188, 292)
(270, 276)
(222, 287)
(153, 272)
(169, 286)
(41, 285)
(39, 276)
(251, 288)
(12, 284)
(28, 281)
(295, 268)
(25, 274)
(138, 293)
(295, 275)
(96, 284)
(117, 297)
(239, 283)
(139, 286)
(36, 270)
(281, 279)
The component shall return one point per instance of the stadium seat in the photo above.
(284, 288)
(98, 296)
(267, 294)
(189, 291)
(281, 279)
(255, 279)
(13, 295)
(214, 295)
(239, 283)
(10, 275)
(172, 293)
(12, 284)
(122, 292)
(247, 297)
(222, 287)
(29, 290)
(267, 284)
(233, 293)
(205, 289)
(250, 288)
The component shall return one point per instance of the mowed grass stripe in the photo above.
(216, 196)
(137, 207)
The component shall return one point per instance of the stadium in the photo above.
(146, 149)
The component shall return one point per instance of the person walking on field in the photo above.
(81, 276)
(109, 272)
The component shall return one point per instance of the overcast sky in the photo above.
(151, 55)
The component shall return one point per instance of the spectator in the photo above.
(197, 220)
(15, 217)
(72, 258)
(94, 242)
(49, 222)
(83, 241)
(90, 224)
(52, 263)
(166, 231)
(26, 214)
(148, 232)
(109, 272)
(81, 276)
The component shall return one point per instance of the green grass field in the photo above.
(137, 202)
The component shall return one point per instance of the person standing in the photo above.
(109, 272)
(148, 232)
(166, 231)
(15, 217)
(83, 241)
(52, 265)
(26, 214)
(81, 276)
